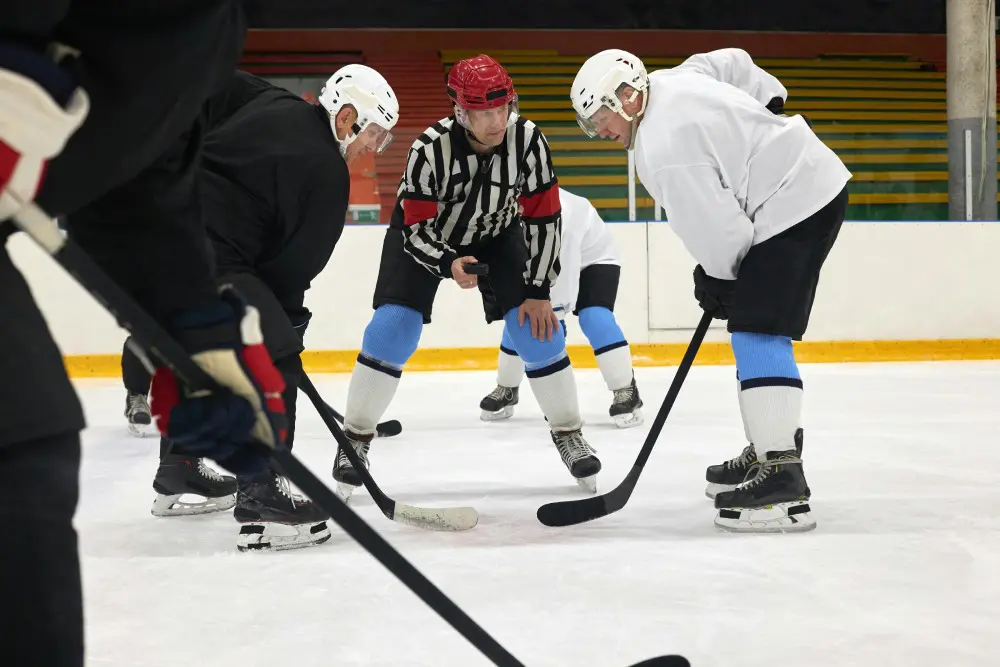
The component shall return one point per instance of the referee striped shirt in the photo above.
(452, 197)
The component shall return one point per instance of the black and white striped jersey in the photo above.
(450, 196)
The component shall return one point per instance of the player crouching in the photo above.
(478, 187)
(587, 287)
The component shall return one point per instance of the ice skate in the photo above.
(344, 474)
(186, 486)
(776, 500)
(578, 457)
(729, 475)
(275, 519)
(499, 404)
(140, 421)
(626, 408)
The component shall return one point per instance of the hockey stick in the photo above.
(444, 518)
(383, 430)
(572, 512)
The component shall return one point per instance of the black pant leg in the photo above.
(40, 585)
(135, 377)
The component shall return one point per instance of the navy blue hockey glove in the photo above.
(237, 428)
(714, 295)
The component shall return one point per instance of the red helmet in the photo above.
(480, 83)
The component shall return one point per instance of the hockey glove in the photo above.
(237, 428)
(714, 295)
(40, 108)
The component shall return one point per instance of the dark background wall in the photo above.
(866, 16)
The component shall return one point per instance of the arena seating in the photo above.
(884, 115)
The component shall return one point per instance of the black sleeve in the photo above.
(310, 229)
(238, 89)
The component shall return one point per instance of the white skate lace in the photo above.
(285, 489)
(745, 460)
(624, 396)
(361, 448)
(501, 393)
(137, 403)
(572, 447)
(207, 472)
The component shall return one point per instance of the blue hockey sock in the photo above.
(614, 357)
(770, 390)
(390, 340)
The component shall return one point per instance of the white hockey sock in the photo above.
(743, 411)
(554, 388)
(510, 368)
(615, 363)
(772, 414)
(368, 396)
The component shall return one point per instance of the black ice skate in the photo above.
(729, 475)
(180, 478)
(578, 457)
(344, 473)
(138, 415)
(775, 501)
(499, 404)
(275, 519)
(626, 408)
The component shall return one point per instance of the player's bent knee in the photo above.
(393, 334)
(763, 356)
(600, 327)
(535, 353)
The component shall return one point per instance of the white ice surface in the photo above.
(903, 569)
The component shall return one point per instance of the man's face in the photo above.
(371, 140)
(489, 126)
(611, 125)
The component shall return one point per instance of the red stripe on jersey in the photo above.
(542, 204)
(418, 210)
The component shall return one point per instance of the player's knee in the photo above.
(535, 353)
(392, 335)
(763, 356)
(600, 327)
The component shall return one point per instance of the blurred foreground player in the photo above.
(118, 155)
(275, 189)
(587, 287)
(758, 200)
(478, 187)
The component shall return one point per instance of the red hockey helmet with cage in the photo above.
(480, 83)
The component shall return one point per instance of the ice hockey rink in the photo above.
(903, 461)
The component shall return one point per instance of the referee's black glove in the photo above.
(714, 295)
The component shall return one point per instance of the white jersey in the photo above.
(586, 241)
(728, 172)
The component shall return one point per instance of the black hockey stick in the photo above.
(445, 518)
(572, 512)
(383, 430)
(148, 333)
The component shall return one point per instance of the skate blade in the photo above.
(344, 491)
(272, 536)
(713, 489)
(791, 517)
(588, 484)
(502, 413)
(629, 419)
(175, 505)
(142, 430)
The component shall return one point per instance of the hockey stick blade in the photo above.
(443, 518)
(383, 429)
(664, 661)
(148, 333)
(572, 512)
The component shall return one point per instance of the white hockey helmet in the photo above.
(371, 96)
(597, 83)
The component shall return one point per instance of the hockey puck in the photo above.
(477, 269)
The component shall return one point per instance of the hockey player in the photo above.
(98, 121)
(758, 200)
(478, 187)
(275, 188)
(587, 287)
